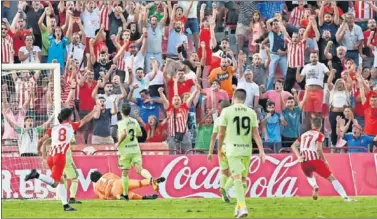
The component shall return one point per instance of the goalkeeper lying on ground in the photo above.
(109, 186)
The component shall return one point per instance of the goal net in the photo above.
(30, 95)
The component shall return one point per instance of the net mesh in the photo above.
(27, 112)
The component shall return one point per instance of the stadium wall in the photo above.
(194, 176)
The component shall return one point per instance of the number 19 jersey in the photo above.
(239, 120)
(129, 145)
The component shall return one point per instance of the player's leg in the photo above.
(226, 182)
(70, 172)
(236, 167)
(49, 180)
(308, 169)
(136, 184)
(137, 163)
(124, 164)
(134, 196)
(339, 188)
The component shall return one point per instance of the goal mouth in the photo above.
(31, 101)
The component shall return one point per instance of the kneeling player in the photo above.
(129, 151)
(109, 186)
(313, 160)
(61, 136)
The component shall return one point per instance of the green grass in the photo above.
(333, 207)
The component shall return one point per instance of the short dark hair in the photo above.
(65, 114)
(225, 39)
(95, 176)
(270, 103)
(280, 81)
(240, 94)
(126, 109)
(290, 98)
(145, 91)
(107, 83)
(140, 68)
(317, 122)
(224, 104)
(28, 117)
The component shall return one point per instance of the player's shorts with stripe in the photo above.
(224, 165)
(126, 161)
(239, 165)
(56, 164)
(317, 166)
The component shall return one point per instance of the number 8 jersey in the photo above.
(61, 136)
(239, 121)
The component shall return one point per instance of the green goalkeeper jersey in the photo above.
(129, 145)
(239, 121)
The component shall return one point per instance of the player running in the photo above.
(226, 181)
(61, 136)
(129, 151)
(313, 160)
(238, 125)
(109, 187)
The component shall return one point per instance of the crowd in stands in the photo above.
(177, 61)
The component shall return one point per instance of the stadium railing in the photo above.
(114, 152)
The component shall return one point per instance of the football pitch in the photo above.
(325, 207)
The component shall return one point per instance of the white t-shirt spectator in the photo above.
(252, 91)
(31, 58)
(186, 4)
(77, 51)
(352, 37)
(314, 74)
(138, 62)
(109, 104)
(91, 22)
(143, 84)
(158, 79)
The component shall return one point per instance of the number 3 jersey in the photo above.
(61, 136)
(308, 144)
(239, 121)
(129, 145)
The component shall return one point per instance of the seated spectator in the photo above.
(356, 138)
(271, 124)
(102, 122)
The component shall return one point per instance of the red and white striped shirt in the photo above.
(61, 136)
(104, 17)
(363, 11)
(296, 16)
(7, 52)
(296, 53)
(181, 115)
(308, 144)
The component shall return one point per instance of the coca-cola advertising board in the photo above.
(194, 176)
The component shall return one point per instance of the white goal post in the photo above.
(39, 66)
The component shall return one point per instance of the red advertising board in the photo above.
(194, 176)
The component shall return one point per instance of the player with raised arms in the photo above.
(61, 136)
(226, 181)
(312, 159)
(238, 126)
(129, 151)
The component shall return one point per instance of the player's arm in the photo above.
(139, 133)
(114, 108)
(122, 135)
(258, 140)
(87, 118)
(42, 140)
(221, 137)
(295, 150)
(320, 151)
(11, 123)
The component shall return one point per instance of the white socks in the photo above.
(62, 193)
(339, 188)
(312, 181)
(46, 179)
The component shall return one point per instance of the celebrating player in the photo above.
(313, 160)
(109, 187)
(238, 125)
(129, 151)
(226, 182)
(61, 136)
